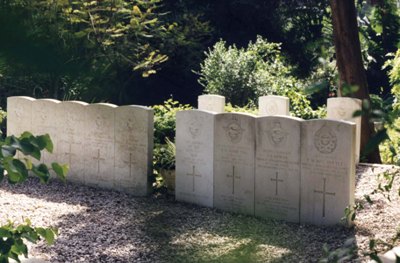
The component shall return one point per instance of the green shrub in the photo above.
(246, 109)
(244, 74)
(165, 119)
(164, 137)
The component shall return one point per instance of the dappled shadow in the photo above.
(115, 227)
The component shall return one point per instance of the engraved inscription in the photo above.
(324, 194)
(325, 140)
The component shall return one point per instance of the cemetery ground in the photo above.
(106, 226)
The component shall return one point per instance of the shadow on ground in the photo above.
(115, 227)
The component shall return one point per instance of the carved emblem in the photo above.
(99, 121)
(277, 135)
(18, 113)
(271, 108)
(194, 127)
(234, 131)
(325, 140)
(341, 112)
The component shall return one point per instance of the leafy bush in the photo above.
(16, 171)
(242, 75)
(164, 137)
(164, 155)
(246, 109)
(165, 119)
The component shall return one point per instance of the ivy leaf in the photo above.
(8, 151)
(44, 142)
(42, 172)
(60, 170)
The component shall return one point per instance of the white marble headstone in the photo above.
(19, 115)
(45, 112)
(71, 139)
(99, 145)
(343, 108)
(277, 168)
(234, 162)
(273, 105)
(133, 149)
(213, 103)
(327, 170)
(195, 157)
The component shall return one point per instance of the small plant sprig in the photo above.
(16, 170)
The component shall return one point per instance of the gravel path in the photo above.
(104, 226)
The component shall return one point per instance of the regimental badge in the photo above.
(277, 135)
(234, 130)
(325, 140)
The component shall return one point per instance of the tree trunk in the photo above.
(350, 65)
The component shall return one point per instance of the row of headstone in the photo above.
(267, 105)
(273, 167)
(104, 145)
(341, 108)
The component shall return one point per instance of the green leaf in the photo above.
(7, 151)
(42, 172)
(60, 170)
(4, 232)
(21, 169)
(372, 244)
(44, 142)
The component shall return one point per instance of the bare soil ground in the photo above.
(105, 226)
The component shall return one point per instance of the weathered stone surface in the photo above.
(327, 170)
(45, 113)
(277, 168)
(213, 103)
(19, 115)
(195, 157)
(71, 139)
(343, 108)
(133, 149)
(99, 145)
(273, 105)
(234, 162)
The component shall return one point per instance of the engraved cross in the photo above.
(98, 160)
(324, 193)
(130, 162)
(193, 174)
(276, 182)
(69, 153)
(233, 176)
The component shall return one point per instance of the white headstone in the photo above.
(277, 168)
(99, 145)
(71, 139)
(234, 162)
(19, 115)
(133, 149)
(327, 170)
(273, 105)
(45, 113)
(214, 103)
(343, 108)
(195, 157)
